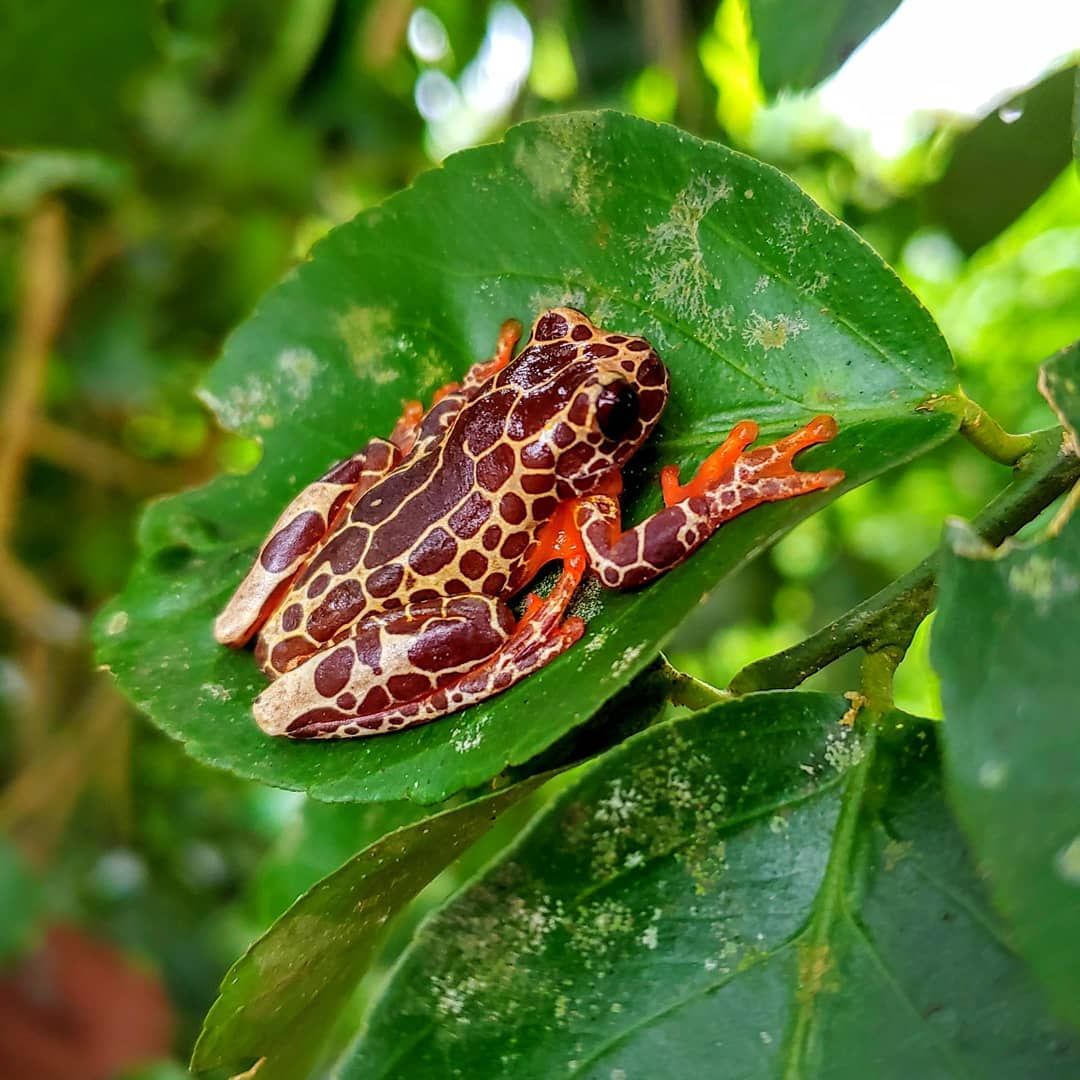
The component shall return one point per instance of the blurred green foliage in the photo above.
(196, 149)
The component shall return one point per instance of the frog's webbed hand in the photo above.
(426, 660)
(729, 482)
(296, 535)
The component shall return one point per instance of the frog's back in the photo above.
(445, 521)
(460, 514)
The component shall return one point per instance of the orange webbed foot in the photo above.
(713, 469)
(774, 461)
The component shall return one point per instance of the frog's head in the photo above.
(588, 399)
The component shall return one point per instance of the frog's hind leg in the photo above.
(728, 482)
(478, 374)
(409, 667)
(296, 534)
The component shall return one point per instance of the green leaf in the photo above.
(761, 304)
(803, 41)
(1059, 381)
(317, 841)
(1076, 118)
(67, 70)
(279, 1001)
(753, 891)
(1007, 646)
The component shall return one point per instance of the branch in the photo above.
(888, 619)
(105, 466)
(43, 297)
(989, 437)
(41, 307)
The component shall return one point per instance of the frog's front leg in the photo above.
(406, 667)
(417, 427)
(729, 482)
(296, 534)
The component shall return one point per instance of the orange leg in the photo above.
(731, 480)
(509, 335)
(404, 435)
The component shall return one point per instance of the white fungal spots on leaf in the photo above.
(992, 775)
(524, 936)
(1067, 862)
(553, 296)
(216, 692)
(816, 282)
(725, 322)
(368, 335)
(558, 164)
(671, 806)
(791, 233)
(1042, 580)
(297, 367)
(623, 664)
(674, 259)
(247, 405)
(772, 333)
(469, 738)
(843, 748)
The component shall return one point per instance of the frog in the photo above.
(384, 594)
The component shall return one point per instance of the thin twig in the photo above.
(43, 298)
(29, 606)
(983, 431)
(104, 465)
(42, 301)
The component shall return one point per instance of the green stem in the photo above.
(889, 618)
(878, 668)
(988, 436)
(688, 691)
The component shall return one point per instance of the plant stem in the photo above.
(988, 436)
(889, 618)
(685, 690)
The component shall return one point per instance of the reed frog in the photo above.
(380, 598)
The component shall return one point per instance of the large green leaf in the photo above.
(1007, 646)
(803, 41)
(761, 304)
(754, 891)
(280, 1000)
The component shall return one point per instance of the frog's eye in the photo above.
(617, 410)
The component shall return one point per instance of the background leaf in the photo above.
(1007, 647)
(756, 885)
(76, 91)
(20, 899)
(281, 998)
(1027, 142)
(761, 304)
(803, 41)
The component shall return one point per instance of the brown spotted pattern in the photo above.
(460, 513)
(380, 596)
(303, 524)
